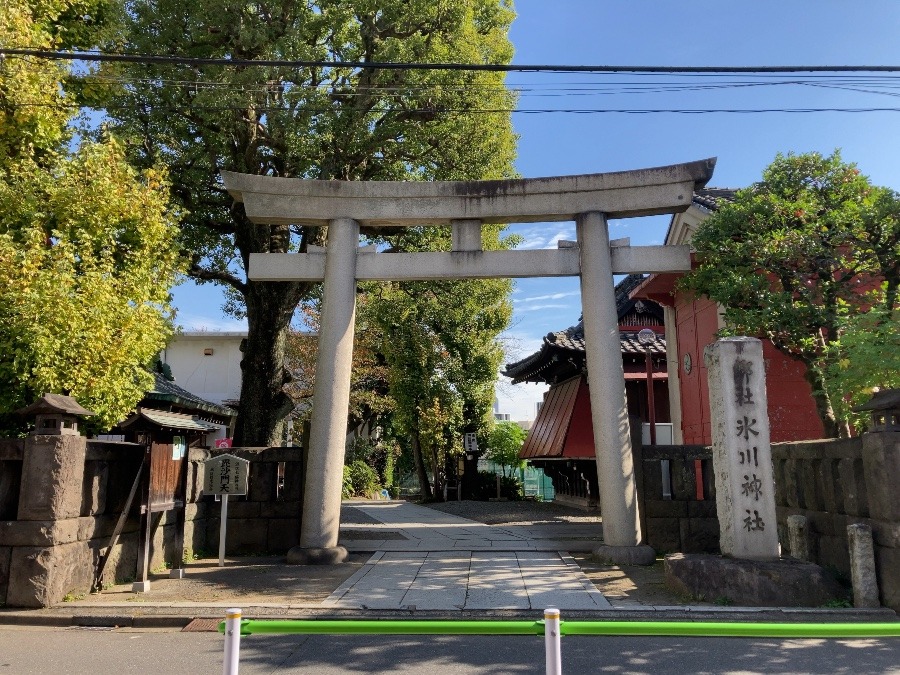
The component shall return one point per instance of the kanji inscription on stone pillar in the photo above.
(742, 456)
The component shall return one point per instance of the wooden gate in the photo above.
(166, 437)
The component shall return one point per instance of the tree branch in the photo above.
(206, 274)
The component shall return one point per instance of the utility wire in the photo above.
(437, 110)
(375, 65)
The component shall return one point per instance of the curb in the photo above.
(170, 617)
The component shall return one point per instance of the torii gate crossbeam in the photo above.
(590, 200)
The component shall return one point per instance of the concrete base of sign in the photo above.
(140, 587)
(786, 582)
(176, 573)
(331, 555)
(625, 555)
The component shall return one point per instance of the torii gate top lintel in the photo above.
(620, 194)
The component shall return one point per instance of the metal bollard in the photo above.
(551, 641)
(232, 659)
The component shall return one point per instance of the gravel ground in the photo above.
(516, 513)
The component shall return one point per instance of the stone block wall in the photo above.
(680, 522)
(61, 496)
(68, 495)
(267, 518)
(836, 483)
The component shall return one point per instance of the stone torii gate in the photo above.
(589, 200)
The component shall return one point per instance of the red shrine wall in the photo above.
(792, 412)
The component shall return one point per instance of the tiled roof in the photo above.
(165, 390)
(623, 290)
(169, 420)
(555, 345)
(572, 340)
(709, 198)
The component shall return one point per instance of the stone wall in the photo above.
(61, 496)
(836, 483)
(678, 521)
(267, 519)
(68, 495)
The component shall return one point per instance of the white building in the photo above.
(207, 363)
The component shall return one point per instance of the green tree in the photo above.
(87, 245)
(504, 443)
(326, 123)
(792, 259)
(864, 359)
(369, 398)
(441, 351)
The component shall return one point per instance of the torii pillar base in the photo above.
(332, 555)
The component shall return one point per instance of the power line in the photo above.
(374, 65)
(876, 85)
(480, 111)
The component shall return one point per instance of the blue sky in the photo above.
(637, 32)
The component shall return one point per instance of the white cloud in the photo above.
(543, 235)
(534, 308)
(551, 296)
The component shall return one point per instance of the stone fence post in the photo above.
(46, 560)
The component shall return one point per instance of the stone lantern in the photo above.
(55, 415)
(884, 407)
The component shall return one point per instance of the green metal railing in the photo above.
(234, 627)
(486, 627)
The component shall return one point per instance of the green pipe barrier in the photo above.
(722, 629)
(665, 628)
(390, 627)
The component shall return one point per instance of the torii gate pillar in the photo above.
(609, 407)
(331, 394)
(588, 199)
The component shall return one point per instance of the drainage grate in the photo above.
(202, 626)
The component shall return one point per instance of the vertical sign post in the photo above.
(225, 475)
(223, 528)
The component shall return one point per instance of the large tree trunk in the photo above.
(270, 307)
(263, 403)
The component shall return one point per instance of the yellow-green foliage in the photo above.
(87, 251)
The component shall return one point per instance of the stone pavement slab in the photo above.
(423, 529)
(445, 562)
(456, 580)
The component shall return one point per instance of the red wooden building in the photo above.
(561, 441)
(691, 324)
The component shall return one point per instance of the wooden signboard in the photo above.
(225, 475)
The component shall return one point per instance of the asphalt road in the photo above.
(26, 650)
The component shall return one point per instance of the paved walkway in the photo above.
(437, 561)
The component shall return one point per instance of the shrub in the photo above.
(346, 484)
(378, 453)
(363, 480)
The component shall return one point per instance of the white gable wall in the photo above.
(214, 376)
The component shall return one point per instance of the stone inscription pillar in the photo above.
(609, 410)
(742, 456)
(331, 396)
